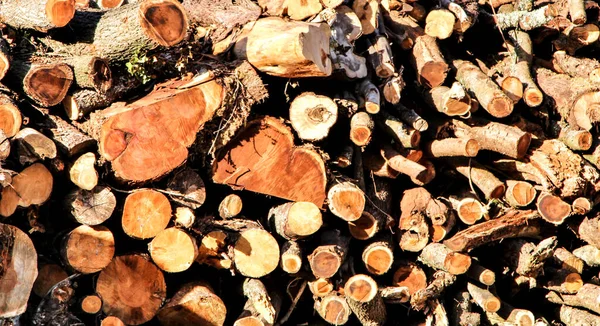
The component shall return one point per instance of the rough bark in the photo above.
(362, 294)
(39, 15)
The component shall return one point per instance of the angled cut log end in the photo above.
(193, 304)
(126, 275)
(133, 149)
(296, 174)
(164, 21)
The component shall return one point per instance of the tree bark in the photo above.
(362, 294)
(39, 15)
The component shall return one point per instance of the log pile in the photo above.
(314, 162)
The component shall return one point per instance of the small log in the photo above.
(577, 12)
(392, 89)
(146, 212)
(19, 270)
(109, 4)
(45, 84)
(510, 225)
(438, 256)
(41, 15)
(380, 57)
(440, 23)
(327, 258)
(394, 294)
(484, 180)
(194, 303)
(405, 135)
(512, 86)
(256, 253)
(296, 174)
(346, 200)
(230, 206)
(589, 254)
(361, 129)
(91, 304)
(562, 281)
(126, 275)
(32, 146)
(410, 117)
(489, 95)
(453, 101)
(441, 280)
(212, 248)
(484, 298)
(519, 193)
(553, 209)
(70, 140)
(333, 308)
(567, 261)
(403, 165)
(312, 38)
(48, 276)
(187, 188)
(5, 178)
(320, 287)
(467, 147)
(523, 52)
(362, 294)
(414, 230)
(82, 173)
(468, 208)
(481, 274)
(586, 297)
(463, 314)
(312, 116)
(32, 186)
(345, 28)
(367, 11)
(525, 20)
(526, 258)
(466, 14)
(111, 321)
(573, 38)
(291, 257)
(88, 249)
(573, 316)
(370, 95)
(378, 166)
(184, 217)
(411, 276)
(91, 207)
(378, 257)
(173, 250)
(11, 120)
(368, 224)
(563, 63)
(295, 221)
(577, 140)
(261, 308)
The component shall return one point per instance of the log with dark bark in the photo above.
(327, 258)
(45, 84)
(40, 15)
(362, 294)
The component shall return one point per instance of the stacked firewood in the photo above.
(299, 162)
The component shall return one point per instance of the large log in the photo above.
(262, 158)
(38, 15)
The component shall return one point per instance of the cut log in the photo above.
(230, 206)
(10, 116)
(346, 201)
(261, 308)
(481, 274)
(41, 15)
(403, 134)
(441, 280)
(4, 58)
(411, 276)
(410, 117)
(132, 289)
(417, 172)
(88, 249)
(112, 321)
(326, 259)
(368, 224)
(380, 57)
(333, 308)
(575, 139)
(526, 20)
(45, 84)
(576, 100)
(523, 52)
(313, 38)
(489, 95)
(394, 294)
(82, 173)
(69, 140)
(574, 37)
(378, 257)
(19, 270)
(562, 281)
(256, 253)
(345, 28)
(184, 217)
(463, 314)
(573, 316)
(291, 257)
(212, 248)
(312, 116)
(575, 66)
(109, 4)
(173, 250)
(586, 297)
(362, 294)
(453, 101)
(48, 276)
(32, 146)
(468, 207)
(126, 140)
(484, 298)
(187, 188)
(519, 193)
(510, 225)
(30, 187)
(296, 174)
(440, 23)
(490, 186)
(146, 212)
(91, 207)
(361, 128)
(370, 95)
(553, 209)
(367, 11)
(414, 230)
(589, 254)
(392, 89)
(438, 256)
(193, 304)
(295, 221)
(91, 304)
(512, 86)
(320, 287)
(5, 177)
(577, 12)
(467, 147)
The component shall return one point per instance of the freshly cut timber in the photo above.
(438, 256)
(312, 116)
(38, 15)
(19, 270)
(173, 250)
(88, 249)
(295, 221)
(142, 141)
(230, 206)
(362, 294)
(326, 259)
(193, 304)
(91, 207)
(82, 173)
(333, 308)
(494, 136)
(46, 84)
(187, 188)
(263, 159)
(4, 58)
(346, 200)
(302, 48)
(33, 146)
(91, 304)
(10, 116)
(132, 289)
(291, 257)
(32, 186)
(256, 253)
(146, 212)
